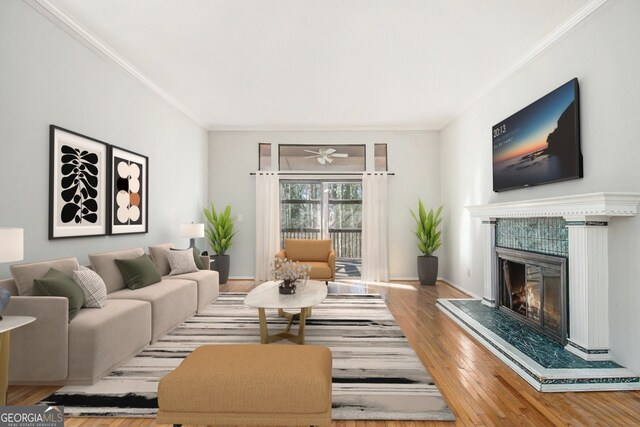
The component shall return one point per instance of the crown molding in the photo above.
(539, 48)
(321, 129)
(86, 38)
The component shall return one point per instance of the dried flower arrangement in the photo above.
(289, 271)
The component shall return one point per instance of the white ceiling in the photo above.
(323, 64)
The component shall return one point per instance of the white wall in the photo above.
(603, 53)
(413, 156)
(47, 77)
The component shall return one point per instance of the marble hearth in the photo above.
(578, 232)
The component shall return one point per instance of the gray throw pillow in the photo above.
(94, 288)
(196, 258)
(181, 262)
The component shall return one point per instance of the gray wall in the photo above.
(413, 156)
(603, 53)
(47, 77)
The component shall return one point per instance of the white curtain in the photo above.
(267, 222)
(375, 227)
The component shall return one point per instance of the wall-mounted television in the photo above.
(539, 144)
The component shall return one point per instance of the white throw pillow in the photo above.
(181, 262)
(94, 288)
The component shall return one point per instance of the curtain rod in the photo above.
(329, 174)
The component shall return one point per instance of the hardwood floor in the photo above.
(480, 389)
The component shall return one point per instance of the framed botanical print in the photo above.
(78, 185)
(129, 194)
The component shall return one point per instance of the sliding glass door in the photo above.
(300, 210)
(324, 209)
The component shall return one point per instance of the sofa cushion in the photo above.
(99, 340)
(307, 249)
(138, 272)
(23, 274)
(158, 255)
(172, 301)
(92, 285)
(181, 262)
(104, 264)
(58, 284)
(208, 285)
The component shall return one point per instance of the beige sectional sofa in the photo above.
(53, 350)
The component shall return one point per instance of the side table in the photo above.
(7, 324)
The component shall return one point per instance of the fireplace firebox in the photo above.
(533, 289)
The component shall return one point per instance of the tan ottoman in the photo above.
(249, 384)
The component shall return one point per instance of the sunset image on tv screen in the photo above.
(540, 143)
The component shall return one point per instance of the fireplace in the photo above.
(586, 218)
(533, 289)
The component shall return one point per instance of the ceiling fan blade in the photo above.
(314, 152)
(329, 159)
(314, 156)
(329, 151)
(340, 155)
(321, 160)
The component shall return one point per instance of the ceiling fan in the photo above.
(325, 155)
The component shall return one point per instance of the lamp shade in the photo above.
(11, 244)
(192, 231)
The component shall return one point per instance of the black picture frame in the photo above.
(78, 185)
(129, 192)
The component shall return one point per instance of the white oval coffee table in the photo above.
(266, 295)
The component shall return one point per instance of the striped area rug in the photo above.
(376, 373)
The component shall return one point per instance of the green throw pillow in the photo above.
(58, 284)
(138, 272)
(196, 258)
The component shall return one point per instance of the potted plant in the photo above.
(220, 235)
(428, 242)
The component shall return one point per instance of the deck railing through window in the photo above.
(346, 242)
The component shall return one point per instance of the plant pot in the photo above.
(220, 263)
(428, 270)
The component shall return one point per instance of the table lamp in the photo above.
(192, 231)
(11, 244)
(11, 249)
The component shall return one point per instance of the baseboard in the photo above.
(241, 278)
(404, 278)
(460, 288)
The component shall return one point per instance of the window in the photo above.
(264, 156)
(322, 158)
(323, 209)
(380, 157)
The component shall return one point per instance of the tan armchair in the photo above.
(317, 253)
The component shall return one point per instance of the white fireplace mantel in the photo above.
(592, 205)
(587, 217)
